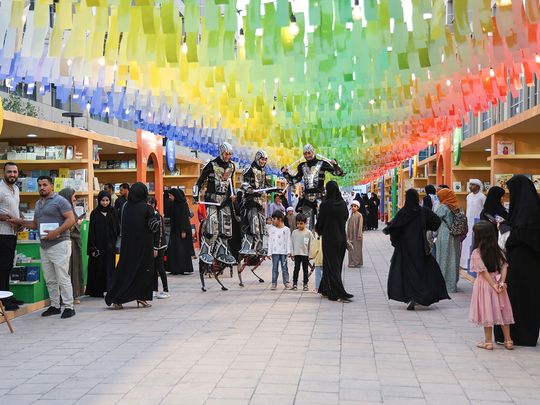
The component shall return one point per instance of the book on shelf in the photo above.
(4, 147)
(55, 152)
(501, 179)
(63, 172)
(95, 154)
(457, 186)
(59, 183)
(103, 164)
(536, 181)
(132, 164)
(487, 185)
(506, 147)
(124, 164)
(96, 184)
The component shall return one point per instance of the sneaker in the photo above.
(155, 294)
(287, 286)
(51, 311)
(274, 286)
(294, 287)
(305, 287)
(163, 295)
(68, 313)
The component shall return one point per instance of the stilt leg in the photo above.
(201, 275)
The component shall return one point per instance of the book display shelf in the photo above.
(78, 159)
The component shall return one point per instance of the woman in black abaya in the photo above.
(180, 247)
(362, 210)
(522, 253)
(415, 276)
(373, 205)
(135, 271)
(333, 215)
(101, 246)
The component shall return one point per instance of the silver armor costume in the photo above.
(313, 173)
(217, 228)
(253, 218)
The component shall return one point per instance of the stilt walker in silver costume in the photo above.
(218, 174)
(313, 173)
(254, 187)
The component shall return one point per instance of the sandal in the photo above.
(485, 345)
(117, 306)
(509, 345)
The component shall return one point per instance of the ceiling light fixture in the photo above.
(294, 30)
(356, 11)
(241, 38)
(31, 136)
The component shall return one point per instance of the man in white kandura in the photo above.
(475, 204)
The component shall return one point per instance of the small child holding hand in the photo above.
(490, 304)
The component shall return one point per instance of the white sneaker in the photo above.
(155, 295)
(163, 295)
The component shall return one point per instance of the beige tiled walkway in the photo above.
(252, 345)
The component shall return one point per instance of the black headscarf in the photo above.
(524, 215)
(333, 192)
(109, 208)
(426, 201)
(524, 203)
(138, 192)
(409, 211)
(362, 209)
(430, 189)
(492, 205)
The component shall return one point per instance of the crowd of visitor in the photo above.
(430, 240)
(431, 237)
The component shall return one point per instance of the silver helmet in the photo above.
(225, 147)
(309, 148)
(261, 154)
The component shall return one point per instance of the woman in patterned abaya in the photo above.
(331, 221)
(522, 252)
(448, 246)
(75, 263)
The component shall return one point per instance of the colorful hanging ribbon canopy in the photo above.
(367, 82)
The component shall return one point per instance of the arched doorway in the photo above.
(150, 149)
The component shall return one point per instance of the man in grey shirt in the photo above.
(54, 217)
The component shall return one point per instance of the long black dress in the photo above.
(414, 273)
(522, 253)
(373, 217)
(180, 250)
(135, 271)
(102, 235)
(333, 215)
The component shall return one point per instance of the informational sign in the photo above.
(170, 154)
(457, 137)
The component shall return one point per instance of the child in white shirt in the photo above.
(279, 247)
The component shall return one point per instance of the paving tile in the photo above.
(252, 345)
